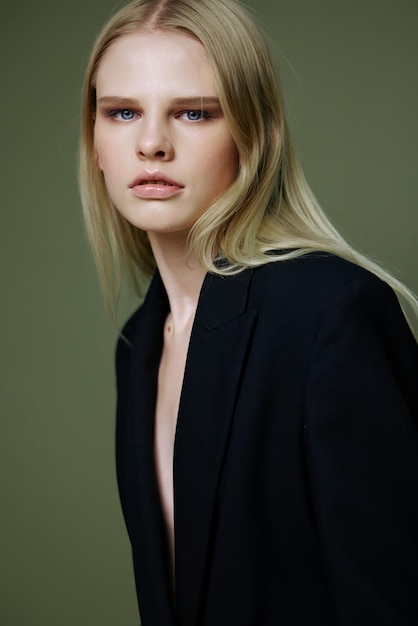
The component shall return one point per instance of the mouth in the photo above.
(156, 186)
(155, 182)
(156, 178)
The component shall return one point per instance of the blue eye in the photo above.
(121, 115)
(126, 114)
(194, 116)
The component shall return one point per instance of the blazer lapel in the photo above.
(216, 356)
(151, 558)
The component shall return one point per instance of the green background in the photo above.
(349, 72)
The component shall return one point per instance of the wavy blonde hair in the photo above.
(269, 207)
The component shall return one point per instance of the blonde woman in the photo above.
(267, 445)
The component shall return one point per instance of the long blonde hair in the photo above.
(268, 208)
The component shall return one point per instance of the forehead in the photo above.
(156, 60)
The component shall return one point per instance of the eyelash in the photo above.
(114, 113)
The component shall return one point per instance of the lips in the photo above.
(155, 186)
(155, 182)
(154, 178)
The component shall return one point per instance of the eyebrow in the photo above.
(191, 102)
(196, 101)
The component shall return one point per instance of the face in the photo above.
(160, 137)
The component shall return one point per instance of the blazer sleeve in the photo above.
(361, 443)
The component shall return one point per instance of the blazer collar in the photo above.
(221, 299)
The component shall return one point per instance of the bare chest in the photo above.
(170, 381)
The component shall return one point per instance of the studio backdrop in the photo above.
(349, 75)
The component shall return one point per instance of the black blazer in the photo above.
(296, 453)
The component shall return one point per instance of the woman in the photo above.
(267, 445)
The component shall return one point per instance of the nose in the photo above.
(153, 142)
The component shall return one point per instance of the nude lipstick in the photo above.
(155, 185)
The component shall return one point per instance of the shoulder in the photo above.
(321, 293)
(317, 272)
(313, 282)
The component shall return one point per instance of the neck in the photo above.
(181, 274)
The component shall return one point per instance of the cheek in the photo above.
(102, 150)
(96, 145)
(97, 159)
(234, 159)
(226, 161)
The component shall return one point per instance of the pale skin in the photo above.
(166, 154)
